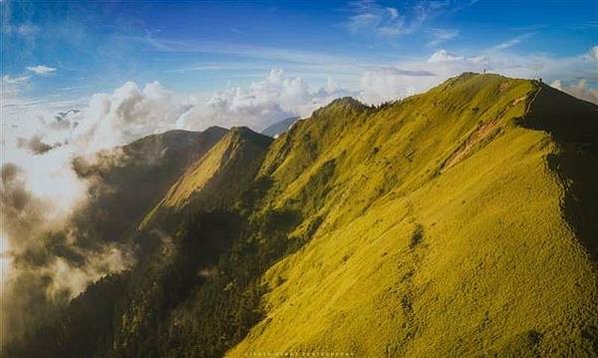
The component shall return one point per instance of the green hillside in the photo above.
(454, 223)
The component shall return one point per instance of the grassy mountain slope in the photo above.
(444, 226)
(217, 179)
(458, 222)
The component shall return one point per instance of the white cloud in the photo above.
(593, 53)
(260, 104)
(440, 36)
(512, 42)
(14, 80)
(41, 69)
(444, 56)
(579, 90)
(242, 50)
(127, 114)
(381, 84)
(109, 119)
(369, 17)
(11, 86)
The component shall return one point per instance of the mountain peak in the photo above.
(247, 134)
(231, 163)
(342, 104)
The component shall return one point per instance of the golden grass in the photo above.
(441, 236)
(218, 177)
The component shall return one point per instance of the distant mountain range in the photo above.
(457, 222)
(280, 127)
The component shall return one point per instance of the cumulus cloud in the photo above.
(389, 83)
(579, 90)
(131, 112)
(41, 69)
(259, 105)
(444, 56)
(128, 113)
(107, 120)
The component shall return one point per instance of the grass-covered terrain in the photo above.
(446, 229)
(458, 222)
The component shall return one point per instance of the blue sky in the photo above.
(194, 64)
(205, 46)
(79, 77)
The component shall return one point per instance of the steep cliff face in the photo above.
(457, 222)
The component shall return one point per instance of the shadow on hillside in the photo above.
(574, 125)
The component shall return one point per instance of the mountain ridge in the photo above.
(456, 222)
(426, 164)
(223, 162)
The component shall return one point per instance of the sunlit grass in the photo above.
(443, 234)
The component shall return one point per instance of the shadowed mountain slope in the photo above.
(127, 181)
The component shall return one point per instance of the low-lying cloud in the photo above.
(49, 254)
(43, 264)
